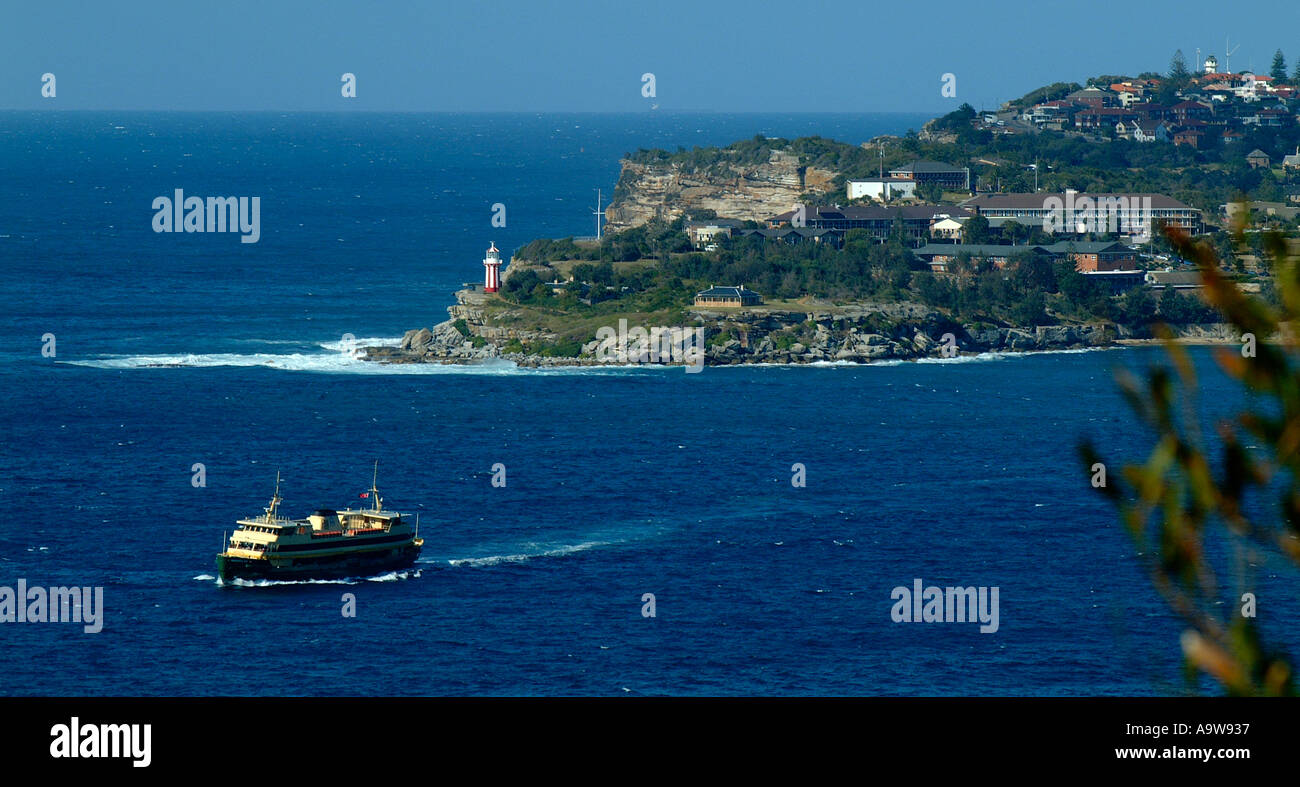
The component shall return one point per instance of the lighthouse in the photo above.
(492, 269)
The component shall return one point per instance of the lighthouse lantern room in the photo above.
(492, 269)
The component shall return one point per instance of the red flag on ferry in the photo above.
(365, 494)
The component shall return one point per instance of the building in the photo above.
(1291, 160)
(727, 296)
(934, 172)
(1192, 137)
(941, 256)
(793, 235)
(1179, 280)
(1093, 97)
(1153, 111)
(880, 221)
(1184, 111)
(948, 227)
(1081, 212)
(1105, 117)
(882, 189)
(1268, 117)
(1137, 130)
(1088, 257)
(1257, 158)
(1096, 256)
(492, 269)
(1050, 113)
(703, 233)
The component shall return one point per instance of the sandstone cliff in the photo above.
(668, 189)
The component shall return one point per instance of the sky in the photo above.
(559, 56)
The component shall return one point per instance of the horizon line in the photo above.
(488, 111)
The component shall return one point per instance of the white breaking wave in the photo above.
(1002, 355)
(337, 362)
(977, 358)
(292, 362)
(374, 341)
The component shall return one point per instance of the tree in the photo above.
(1180, 507)
(1015, 232)
(976, 230)
(1278, 71)
(1178, 72)
(930, 192)
(1137, 307)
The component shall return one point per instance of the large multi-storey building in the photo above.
(916, 220)
(934, 172)
(1082, 212)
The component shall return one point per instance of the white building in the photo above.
(882, 189)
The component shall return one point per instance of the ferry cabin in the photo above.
(317, 535)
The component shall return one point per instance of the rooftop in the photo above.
(925, 165)
(875, 212)
(1036, 201)
(727, 292)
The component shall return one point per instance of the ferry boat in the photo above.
(328, 544)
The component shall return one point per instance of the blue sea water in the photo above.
(176, 349)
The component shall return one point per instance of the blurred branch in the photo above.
(1173, 500)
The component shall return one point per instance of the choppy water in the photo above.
(181, 349)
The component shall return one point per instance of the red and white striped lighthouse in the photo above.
(492, 269)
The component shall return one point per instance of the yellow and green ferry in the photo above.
(328, 544)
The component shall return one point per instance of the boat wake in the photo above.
(529, 552)
(391, 576)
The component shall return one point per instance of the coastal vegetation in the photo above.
(1031, 290)
(1196, 499)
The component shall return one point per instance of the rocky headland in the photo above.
(859, 333)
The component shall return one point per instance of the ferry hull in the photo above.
(332, 567)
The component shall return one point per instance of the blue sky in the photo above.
(725, 55)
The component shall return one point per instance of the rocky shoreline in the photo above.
(858, 333)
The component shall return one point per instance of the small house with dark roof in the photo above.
(1091, 96)
(728, 296)
(1096, 256)
(1257, 158)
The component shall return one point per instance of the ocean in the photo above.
(176, 350)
